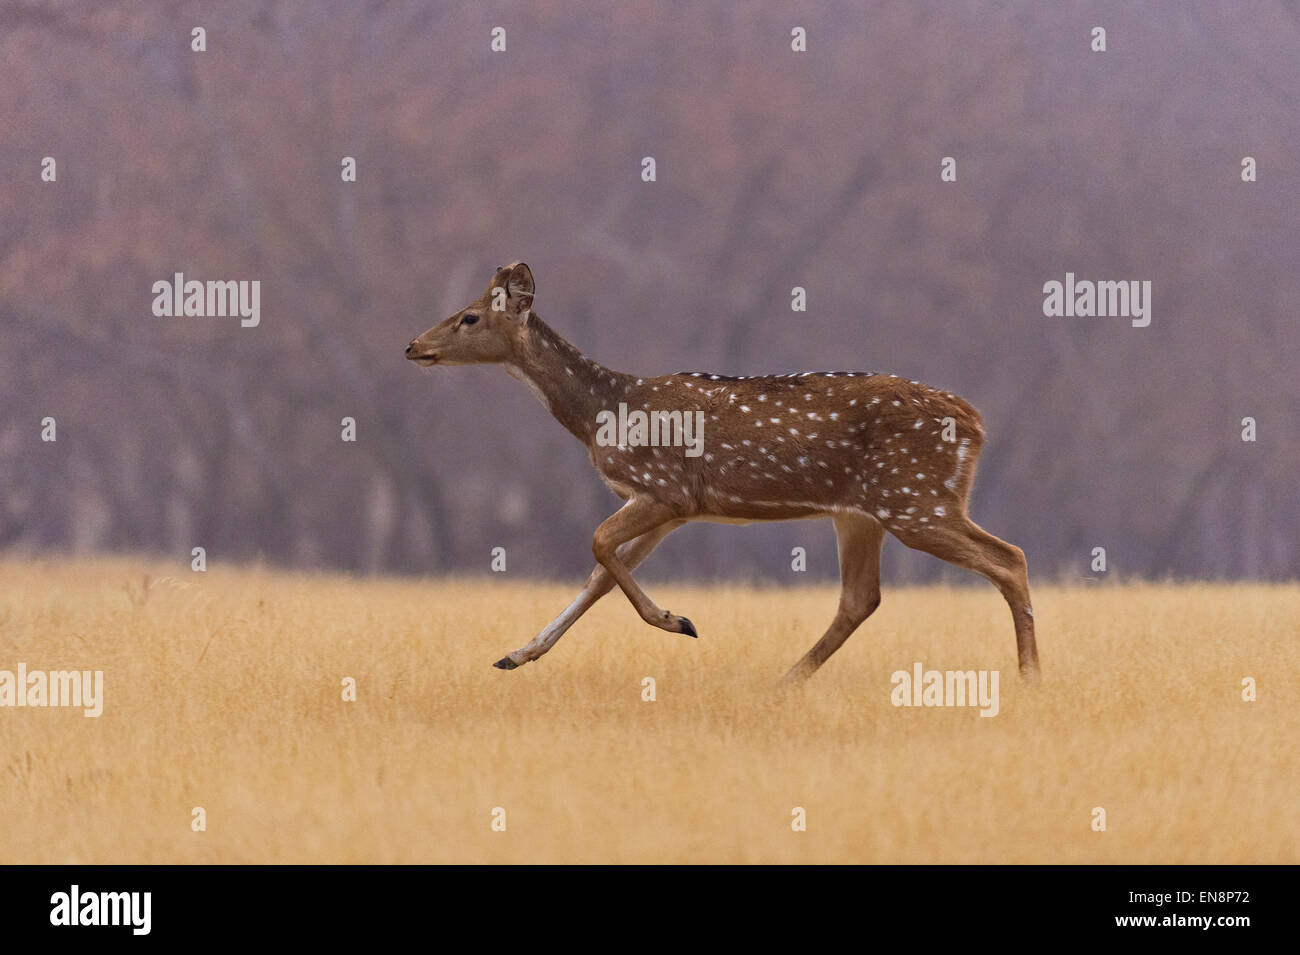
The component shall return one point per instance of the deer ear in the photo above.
(520, 288)
(520, 280)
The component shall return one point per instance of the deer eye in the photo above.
(468, 319)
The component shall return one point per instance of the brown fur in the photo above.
(867, 450)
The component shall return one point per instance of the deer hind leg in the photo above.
(962, 542)
(859, 539)
(598, 584)
(638, 516)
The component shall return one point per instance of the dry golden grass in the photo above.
(223, 691)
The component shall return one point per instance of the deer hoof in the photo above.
(688, 628)
(505, 663)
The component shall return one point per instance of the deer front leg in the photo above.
(638, 516)
(598, 584)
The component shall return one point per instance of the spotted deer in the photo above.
(872, 452)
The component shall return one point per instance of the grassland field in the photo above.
(224, 690)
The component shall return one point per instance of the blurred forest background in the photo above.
(775, 169)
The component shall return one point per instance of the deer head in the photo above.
(487, 330)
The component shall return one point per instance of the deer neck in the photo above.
(568, 383)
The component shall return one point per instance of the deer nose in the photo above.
(409, 348)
